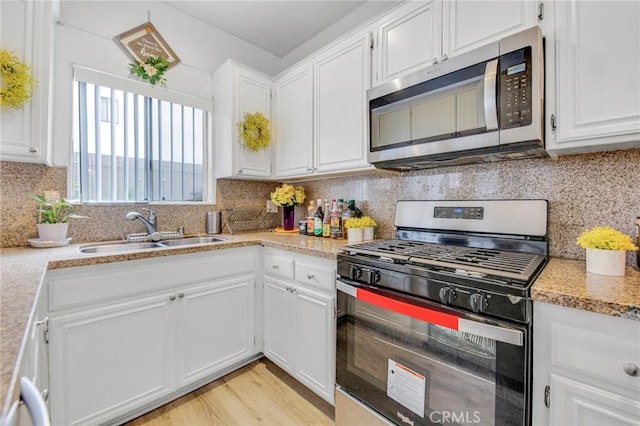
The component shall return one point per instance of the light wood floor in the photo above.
(258, 394)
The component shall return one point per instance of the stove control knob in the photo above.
(447, 295)
(477, 302)
(355, 272)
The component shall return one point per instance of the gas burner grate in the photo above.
(483, 261)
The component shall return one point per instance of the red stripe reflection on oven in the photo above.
(404, 308)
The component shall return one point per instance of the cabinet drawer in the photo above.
(278, 266)
(596, 353)
(323, 279)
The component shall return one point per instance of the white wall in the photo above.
(85, 36)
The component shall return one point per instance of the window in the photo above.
(129, 147)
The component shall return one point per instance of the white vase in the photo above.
(367, 233)
(52, 231)
(354, 235)
(606, 262)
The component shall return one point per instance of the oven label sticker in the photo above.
(406, 387)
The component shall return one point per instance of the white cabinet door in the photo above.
(27, 30)
(278, 323)
(107, 362)
(577, 404)
(294, 122)
(315, 341)
(468, 25)
(253, 95)
(214, 327)
(342, 77)
(239, 90)
(408, 39)
(594, 86)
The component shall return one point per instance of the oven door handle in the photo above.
(432, 316)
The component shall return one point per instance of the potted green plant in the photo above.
(53, 216)
(606, 250)
(360, 229)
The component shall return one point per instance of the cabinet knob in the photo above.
(444, 57)
(33, 149)
(310, 276)
(240, 171)
(631, 369)
(181, 295)
(434, 61)
(274, 267)
(309, 169)
(172, 297)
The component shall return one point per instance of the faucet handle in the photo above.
(152, 215)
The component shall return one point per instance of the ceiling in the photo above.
(275, 26)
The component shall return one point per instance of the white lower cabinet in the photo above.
(105, 362)
(586, 369)
(299, 319)
(125, 335)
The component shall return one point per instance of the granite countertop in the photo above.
(22, 270)
(562, 282)
(566, 282)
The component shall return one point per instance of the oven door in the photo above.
(416, 362)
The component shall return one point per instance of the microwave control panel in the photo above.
(515, 89)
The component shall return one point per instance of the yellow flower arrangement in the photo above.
(360, 222)
(17, 80)
(254, 131)
(288, 195)
(605, 238)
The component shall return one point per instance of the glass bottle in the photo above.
(317, 220)
(326, 221)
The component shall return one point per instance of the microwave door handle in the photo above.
(490, 97)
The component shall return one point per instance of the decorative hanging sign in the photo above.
(151, 54)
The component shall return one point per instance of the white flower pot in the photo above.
(354, 235)
(52, 231)
(367, 233)
(606, 262)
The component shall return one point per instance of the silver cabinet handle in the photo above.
(444, 57)
(33, 149)
(310, 276)
(434, 61)
(181, 295)
(172, 297)
(274, 267)
(631, 369)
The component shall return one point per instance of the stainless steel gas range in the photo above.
(434, 326)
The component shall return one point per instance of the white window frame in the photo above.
(101, 78)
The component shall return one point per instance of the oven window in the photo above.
(462, 377)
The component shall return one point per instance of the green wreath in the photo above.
(17, 80)
(254, 131)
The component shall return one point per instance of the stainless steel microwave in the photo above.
(484, 105)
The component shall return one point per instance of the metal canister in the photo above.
(214, 222)
(302, 226)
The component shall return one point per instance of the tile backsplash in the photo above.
(106, 222)
(600, 189)
(583, 191)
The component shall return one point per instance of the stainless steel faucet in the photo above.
(151, 223)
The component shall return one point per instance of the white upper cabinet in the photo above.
(408, 39)
(594, 85)
(420, 34)
(472, 24)
(294, 122)
(342, 79)
(239, 90)
(321, 121)
(27, 30)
